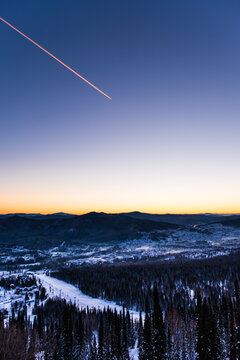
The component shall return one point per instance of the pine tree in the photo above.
(159, 341)
(124, 347)
(147, 335)
(169, 344)
(203, 331)
(215, 343)
(140, 337)
(237, 295)
(100, 339)
(232, 335)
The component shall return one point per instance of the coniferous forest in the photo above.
(186, 311)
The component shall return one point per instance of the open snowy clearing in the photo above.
(55, 287)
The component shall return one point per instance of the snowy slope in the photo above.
(55, 287)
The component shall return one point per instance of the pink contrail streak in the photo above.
(54, 57)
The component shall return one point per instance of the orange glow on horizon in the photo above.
(55, 58)
(115, 210)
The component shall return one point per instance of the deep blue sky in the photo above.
(169, 139)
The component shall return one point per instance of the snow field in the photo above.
(55, 287)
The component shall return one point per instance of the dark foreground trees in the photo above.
(192, 309)
(189, 313)
(60, 331)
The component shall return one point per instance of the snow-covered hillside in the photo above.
(55, 287)
(194, 242)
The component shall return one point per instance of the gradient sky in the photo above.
(169, 139)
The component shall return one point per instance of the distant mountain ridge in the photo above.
(43, 231)
(181, 219)
(184, 219)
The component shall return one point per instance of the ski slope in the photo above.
(55, 287)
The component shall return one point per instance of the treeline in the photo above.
(20, 281)
(199, 301)
(131, 283)
(60, 331)
(177, 284)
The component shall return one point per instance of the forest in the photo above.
(198, 300)
(186, 311)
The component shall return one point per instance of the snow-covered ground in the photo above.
(193, 242)
(10, 299)
(134, 353)
(55, 287)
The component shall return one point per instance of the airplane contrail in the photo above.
(54, 57)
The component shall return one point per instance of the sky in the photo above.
(168, 142)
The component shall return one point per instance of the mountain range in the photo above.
(44, 231)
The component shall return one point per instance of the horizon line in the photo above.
(118, 213)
